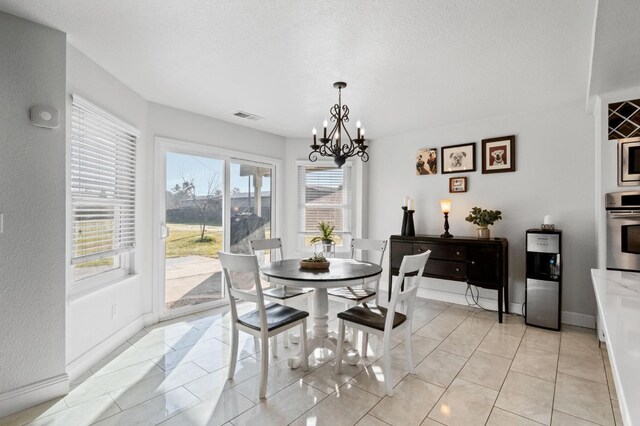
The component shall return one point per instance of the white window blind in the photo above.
(324, 194)
(103, 183)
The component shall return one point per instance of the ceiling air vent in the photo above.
(248, 116)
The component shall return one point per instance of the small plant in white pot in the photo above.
(326, 236)
(483, 218)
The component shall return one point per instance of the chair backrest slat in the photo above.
(269, 244)
(363, 244)
(247, 265)
(410, 264)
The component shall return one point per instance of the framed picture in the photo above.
(458, 158)
(427, 161)
(458, 184)
(499, 154)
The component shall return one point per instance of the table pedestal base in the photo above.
(329, 342)
(321, 336)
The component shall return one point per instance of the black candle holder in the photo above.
(411, 230)
(405, 215)
(446, 226)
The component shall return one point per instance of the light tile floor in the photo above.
(469, 370)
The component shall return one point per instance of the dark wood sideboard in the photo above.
(480, 262)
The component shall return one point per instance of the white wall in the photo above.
(89, 322)
(187, 126)
(32, 188)
(554, 175)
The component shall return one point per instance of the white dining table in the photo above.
(341, 273)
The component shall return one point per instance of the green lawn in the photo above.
(184, 239)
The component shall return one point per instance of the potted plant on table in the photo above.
(483, 218)
(317, 261)
(326, 236)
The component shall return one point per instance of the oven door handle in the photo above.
(624, 214)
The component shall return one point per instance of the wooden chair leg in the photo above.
(388, 373)
(407, 347)
(285, 335)
(338, 367)
(264, 367)
(305, 348)
(365, 344)
(354, 337)
(234, 352)
(274, 346)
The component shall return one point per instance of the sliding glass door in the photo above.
(194, 199)
(209, 202)
(249, 205)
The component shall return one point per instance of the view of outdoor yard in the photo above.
(193, 273)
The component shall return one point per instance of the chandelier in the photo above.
(335, 143)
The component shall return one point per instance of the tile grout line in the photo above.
(505, 378)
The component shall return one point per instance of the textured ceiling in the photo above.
(409, 63)
(616, 53)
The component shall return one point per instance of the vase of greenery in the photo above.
(483, 218)
(325, 236)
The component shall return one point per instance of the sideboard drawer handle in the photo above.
(420, 250)
(473, 262)
(457, 269)
(458, 253)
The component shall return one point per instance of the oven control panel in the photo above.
(543, 243)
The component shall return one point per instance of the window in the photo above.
(325, 194)
(103, 188)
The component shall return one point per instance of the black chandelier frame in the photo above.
(333, 144)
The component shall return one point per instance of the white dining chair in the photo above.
(281, 294)
(377, 320)
(242, 277)
(352, 296)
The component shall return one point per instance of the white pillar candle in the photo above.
(548, 220)
(405, 201)
(411, 205)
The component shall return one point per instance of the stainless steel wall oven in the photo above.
(629, 162)
(623, 230)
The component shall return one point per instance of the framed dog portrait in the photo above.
(499, 155)
(458, 184)
(427, 161)
(458, 158)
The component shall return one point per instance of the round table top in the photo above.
(339, 270)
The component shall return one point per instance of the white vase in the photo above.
(484, 232)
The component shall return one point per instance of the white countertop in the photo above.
(618, 296)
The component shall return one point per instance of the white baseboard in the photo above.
(458, 298)
(33, 394)
(85, 361)
(578, 319)
(566, 317)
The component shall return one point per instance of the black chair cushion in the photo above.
(355, 294)
(285, 293)
(371, 315)
(277, 316)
